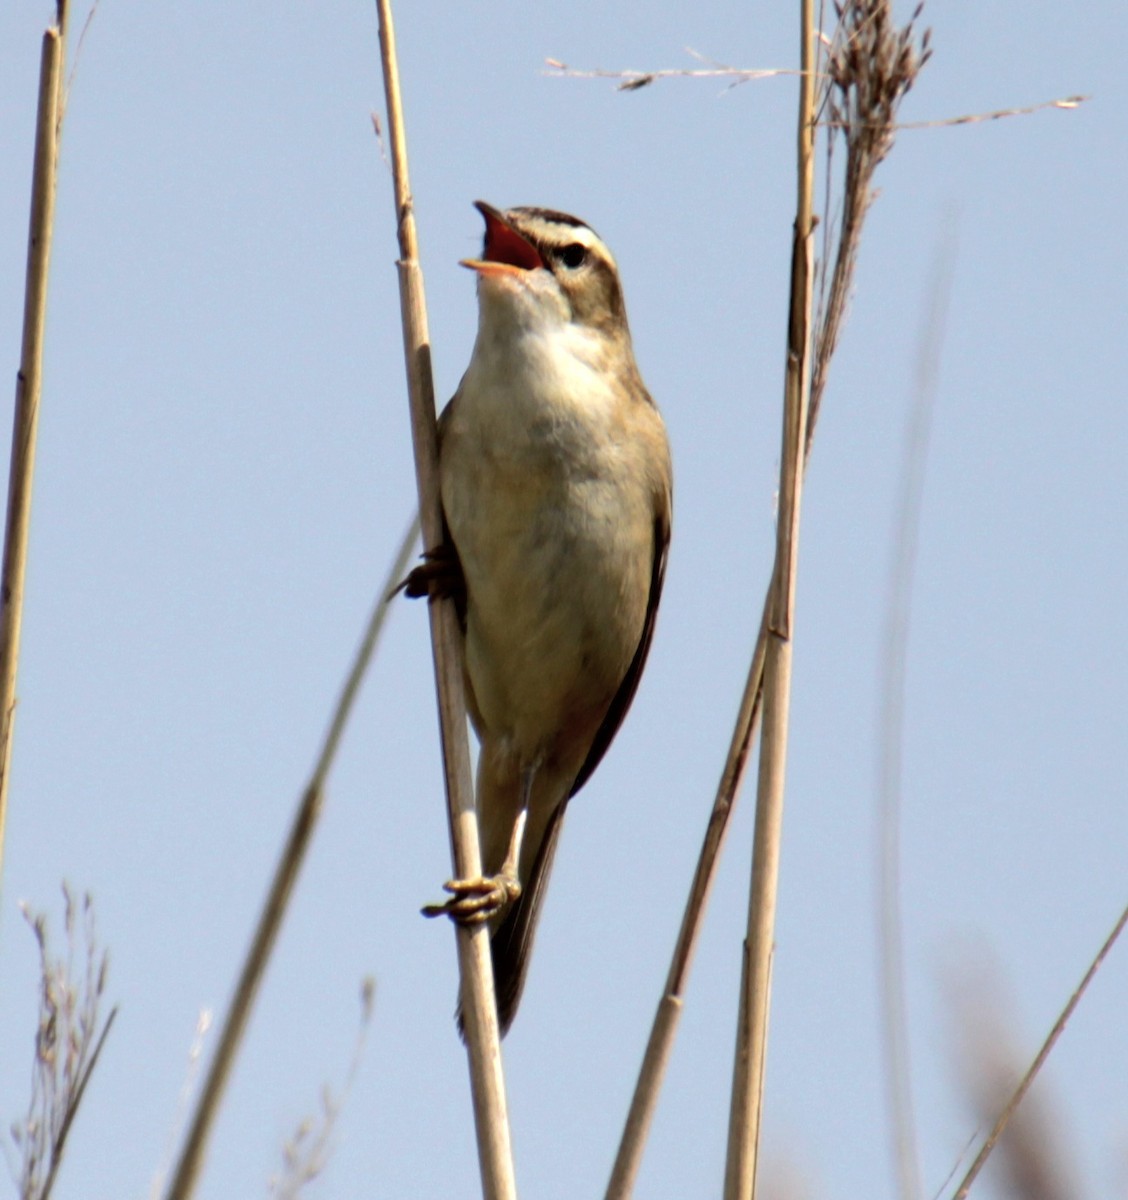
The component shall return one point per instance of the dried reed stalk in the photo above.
(188, 1166)
(872, 66)
(755, 992)
(25, 421)
(479, 1009)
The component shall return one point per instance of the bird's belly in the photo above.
(557, 579)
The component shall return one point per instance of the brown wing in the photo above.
(623, 697)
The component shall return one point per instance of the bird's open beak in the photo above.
(504, 251)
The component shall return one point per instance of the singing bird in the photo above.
(556, 492)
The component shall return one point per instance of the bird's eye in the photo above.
(573, 256)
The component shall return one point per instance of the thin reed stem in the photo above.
(1039, 1060)
(662, 1033)
(755, 993)
(479, 1008)
(25, 421)
(905, 539)
(186, 1172)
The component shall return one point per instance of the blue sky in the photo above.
(225, 469)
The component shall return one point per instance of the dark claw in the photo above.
(438, 577)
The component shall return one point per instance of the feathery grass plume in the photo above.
(868, 68)
(69, 1038)
(306, 1152)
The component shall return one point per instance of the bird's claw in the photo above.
(438, 577)
(473, 901)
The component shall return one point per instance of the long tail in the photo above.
(511, 943)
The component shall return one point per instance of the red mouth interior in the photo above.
(505, 246)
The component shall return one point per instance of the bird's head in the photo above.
(550, 266)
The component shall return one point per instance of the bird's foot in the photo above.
(438, 577)
(473, 901)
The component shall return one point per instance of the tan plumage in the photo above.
(556, 489)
